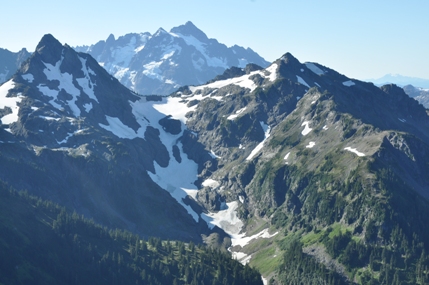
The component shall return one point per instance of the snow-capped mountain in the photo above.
(255, 160)
(162, 62)
(89, 143)
(10, 62)
(401, 80)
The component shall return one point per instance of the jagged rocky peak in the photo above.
(189, 29)
(50, 49)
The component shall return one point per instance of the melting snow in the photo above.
(237, 113)
(267, 130)
(11, 102)
(354, 151)
(307, 129)
(310, 145)
(242, 81)
(210, 183)
(242, 240)
(226, 219)
(287, 156)
(179, 186)
(348, 83)
(213, 155)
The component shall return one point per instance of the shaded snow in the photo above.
(29, 77)
(118, 128)
(302, 81)
(314, 68)
(348, 83)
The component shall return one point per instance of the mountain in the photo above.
(401, 80)
(420, 94)
(305, 174)
(10, 62)
(312, 161)
(73, 134)
(162, 62)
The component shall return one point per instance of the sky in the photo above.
(361, 39)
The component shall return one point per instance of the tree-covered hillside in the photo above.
(41, 243)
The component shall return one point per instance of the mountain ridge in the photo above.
(291, 166)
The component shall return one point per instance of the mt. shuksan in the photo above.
(162, 62)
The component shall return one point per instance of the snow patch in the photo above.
(287, 156)
(10, 102)
(302, 81)
(402, 120)
(118, 128)
(310, 145)
(87, 107)
(325, 127)
(179, 186)
(210, 183)
(354, 151)
(307, 129)
(29, 77)
(267, 130)
(314, 68)
(226, 219)
(237, 113)
(213, 155)
(348, 83)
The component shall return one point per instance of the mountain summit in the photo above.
(162, 62)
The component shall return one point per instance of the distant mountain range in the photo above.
(162, 62)
(401, 81)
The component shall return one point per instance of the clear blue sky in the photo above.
(361, 39)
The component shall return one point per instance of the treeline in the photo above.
(41, 243)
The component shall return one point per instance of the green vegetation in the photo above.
(40, 243)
